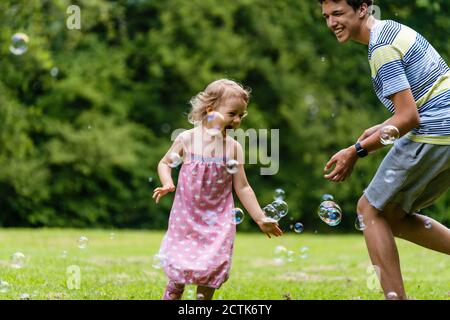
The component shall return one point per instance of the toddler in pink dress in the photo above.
(197, 248)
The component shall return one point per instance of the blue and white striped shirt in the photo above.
(400, 58)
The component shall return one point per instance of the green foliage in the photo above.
(87, 114)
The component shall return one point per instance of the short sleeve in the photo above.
(388, 70)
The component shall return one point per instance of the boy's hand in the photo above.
(270, 226)
(161, 191)
(343, 163)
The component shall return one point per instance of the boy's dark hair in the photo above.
(355, 4)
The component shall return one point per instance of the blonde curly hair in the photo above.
(213, 95)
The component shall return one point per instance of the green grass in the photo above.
(121, 267)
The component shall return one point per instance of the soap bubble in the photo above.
(330, 213)
(389, 134)
(359, 223)
(174, 160)
(389, 176)
(392, 296)
(232, 166)
(54, 72)
(83, 242)
(24, 296)
(17, 260)
(298, 227)
(4, 286)
(237, 216)
(158, 261)
(281, 207)
(327, 197)
(19, 44)
(210, 217)
(214, 123)
(271, 212)
(279, 194)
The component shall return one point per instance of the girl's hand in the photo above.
(162, 191)
(270, 226)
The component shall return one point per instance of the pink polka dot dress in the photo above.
(198, 246)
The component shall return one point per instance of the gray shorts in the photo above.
(412, 174)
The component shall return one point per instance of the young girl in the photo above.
(198, 245)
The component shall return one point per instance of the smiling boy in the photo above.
(413, 82)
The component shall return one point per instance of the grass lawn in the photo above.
(119, 266)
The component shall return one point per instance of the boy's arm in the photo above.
(248, 198)
(406, 118)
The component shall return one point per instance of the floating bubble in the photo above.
(271, 212)
(298, 227)
(304, 249)
(165, 128)
(389, 134)
(281, 207)
(323, 59)
(303, 252)
(392, 296)
(190, 294)
(210, 217)
(327, 197)
(54, 72)
(83, 242)
(158, 261)
(215, 122)
(389, 176)
(200, 296)
(290, 256)
(17, 260)
(330, 213)
(237, 216)
(232, 166)
(112, 235)
(24, 296)
(280, 255)
(64, 254)
(428, 224)
(174, 159)
(4, 286)
(359, 223)
(279, 194)
(19, 44)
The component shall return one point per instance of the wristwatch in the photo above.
(360, 151)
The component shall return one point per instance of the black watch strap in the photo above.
(360, 151)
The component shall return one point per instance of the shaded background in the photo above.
(85, 115)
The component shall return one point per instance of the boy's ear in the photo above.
(363, 10)
(209, 109)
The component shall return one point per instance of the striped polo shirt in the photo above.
(400, 58)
